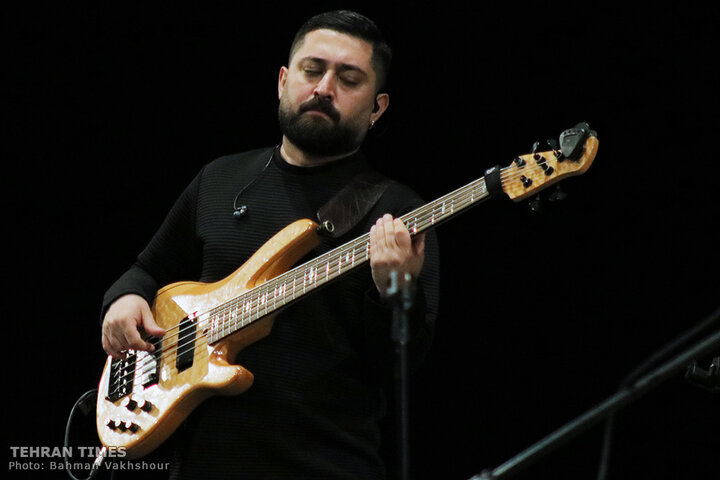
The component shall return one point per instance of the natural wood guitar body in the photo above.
(177, 393)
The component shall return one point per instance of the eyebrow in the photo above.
(343, 67)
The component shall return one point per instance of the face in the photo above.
(327, 94)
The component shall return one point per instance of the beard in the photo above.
(317, 135)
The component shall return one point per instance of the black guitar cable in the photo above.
(82, 403)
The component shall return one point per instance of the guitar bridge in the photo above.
(138, 368)
(122, 376)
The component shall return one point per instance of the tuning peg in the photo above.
(557, 195)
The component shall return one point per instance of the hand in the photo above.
(122, 323)
(391, 248)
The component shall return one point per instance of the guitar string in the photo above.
(418, 219)
(254, 296)
(262, 292)
(302, 271)
(463, 197)
(504, 176)
(328, 258)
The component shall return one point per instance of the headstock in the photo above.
(531, 173)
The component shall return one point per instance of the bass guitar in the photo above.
(144, 397)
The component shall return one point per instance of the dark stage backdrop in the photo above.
(112, 109)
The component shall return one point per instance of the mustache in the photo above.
(321, 105)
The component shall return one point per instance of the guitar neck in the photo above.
(284, 289)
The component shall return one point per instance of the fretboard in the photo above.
(284, 289)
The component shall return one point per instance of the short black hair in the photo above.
(356, 25)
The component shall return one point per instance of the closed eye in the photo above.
(351, 82)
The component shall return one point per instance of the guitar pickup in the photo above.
(186, 343)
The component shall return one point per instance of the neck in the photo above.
(287, 287)
(295, 156)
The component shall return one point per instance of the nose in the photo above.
(326, 86)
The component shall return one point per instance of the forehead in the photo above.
(335, 47)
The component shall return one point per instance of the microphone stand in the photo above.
(622, 398)
(402, 299)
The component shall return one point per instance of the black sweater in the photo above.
(314, 408)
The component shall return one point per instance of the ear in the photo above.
(282, 78)
(382, 102)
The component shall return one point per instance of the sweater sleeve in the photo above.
(378, 313)
(173, 254)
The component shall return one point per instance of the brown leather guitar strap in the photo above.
(342, 212)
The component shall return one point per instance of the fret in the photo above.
(211, 328)
(228, 321)
(219, 330)
(263, 301)
(256, 307)
(224, 323)
(215, 326)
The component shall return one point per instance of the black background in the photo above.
(113, 108)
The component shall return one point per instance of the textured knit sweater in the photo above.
(314, 408)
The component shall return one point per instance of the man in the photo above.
(315, 406)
